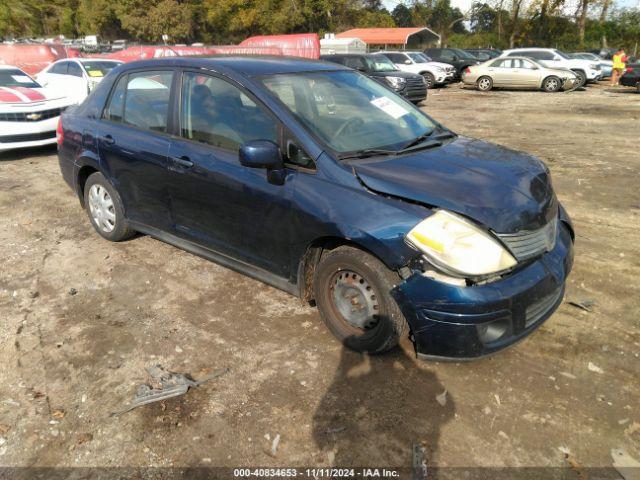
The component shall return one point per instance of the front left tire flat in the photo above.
(352, 292)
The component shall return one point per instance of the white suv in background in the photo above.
(434, 73)
(586, 70)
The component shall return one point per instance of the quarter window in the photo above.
(141, 100)
(220, 114)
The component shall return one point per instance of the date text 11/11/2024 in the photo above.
(315, 473)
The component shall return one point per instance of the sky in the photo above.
(464, 5)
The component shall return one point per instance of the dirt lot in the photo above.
(82, 318)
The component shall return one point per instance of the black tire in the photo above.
(388, 325)
(121, 230)
(582, 78)
(484, 83)
(551, 84)
(429, 79)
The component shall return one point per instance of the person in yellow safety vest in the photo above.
(619, 63)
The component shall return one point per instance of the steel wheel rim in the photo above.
(484, 83)
(552, 84)
(101, 208)
(354, 301)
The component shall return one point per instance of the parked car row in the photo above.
(379, 68)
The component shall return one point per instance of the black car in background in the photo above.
(378, 67)
(483, 54)
(631, 76)
(453, 56)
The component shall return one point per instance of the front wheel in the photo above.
(429, 79)
(582, 78)
(551, 84)
(484, 84)
(352, 292)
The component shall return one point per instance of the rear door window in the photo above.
(141, 100)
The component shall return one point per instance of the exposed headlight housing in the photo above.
(456, 245)
(396, 82)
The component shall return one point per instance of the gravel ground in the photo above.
(82, 318)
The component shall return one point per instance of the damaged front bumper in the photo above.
(458, 322)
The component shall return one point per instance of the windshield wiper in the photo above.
(418, 140)
(368, 152)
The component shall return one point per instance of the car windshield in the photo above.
(13, 77)
(562, 54)
(348, 111)
(417, 57)
(380, 63)
(99, 68)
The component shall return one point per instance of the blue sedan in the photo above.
(315, 179)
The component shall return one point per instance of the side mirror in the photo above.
(455, 58)
(407, 62)
(361, 69)
(263, 154)
(260, 154)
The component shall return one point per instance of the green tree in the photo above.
(401, 15)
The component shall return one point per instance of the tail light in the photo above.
(59, 132)
(467, 70)
(629, 69)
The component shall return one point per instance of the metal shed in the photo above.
(407, 38)
(330, 45)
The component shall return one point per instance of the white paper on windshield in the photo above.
(21, 78)
(389, 107)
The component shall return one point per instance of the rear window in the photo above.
(99, 69)
(13, 77)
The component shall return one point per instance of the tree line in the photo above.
(498, 23)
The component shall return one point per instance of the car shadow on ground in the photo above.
(376, 408)
(28, 153)
(623, 90)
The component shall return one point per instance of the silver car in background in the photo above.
(519, 72)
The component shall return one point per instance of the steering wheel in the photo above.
(349, 122)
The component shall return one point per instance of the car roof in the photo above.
(248, 65)
(527, 49)
(96, 59)
(9, 67)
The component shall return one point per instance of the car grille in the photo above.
(530, 243)
(27, 137)
(30, 116)
(415, 87)
(540, 308)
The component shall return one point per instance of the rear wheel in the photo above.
(352, 292)
(551, 84)
(105, 209)
(484, 84)
(429, 79)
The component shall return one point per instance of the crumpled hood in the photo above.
(505, 190)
